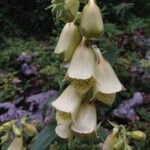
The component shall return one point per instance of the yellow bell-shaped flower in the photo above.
(67, 104)
(68, 41)
(86, 119)
(107, 81)
(91, 20)
(81, 69)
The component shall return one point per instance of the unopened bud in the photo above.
(138, 135)
(17, 131)
(8, 125)
(118, 145)
(2, 128)
(91, 20)
(29, 130)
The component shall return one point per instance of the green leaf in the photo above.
(45, 138)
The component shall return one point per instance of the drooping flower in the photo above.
(91, 20)
(81, 69)
(68, 41)
(67, 105)
(86, 119)
(107, 83)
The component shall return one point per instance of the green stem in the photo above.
(91, 143)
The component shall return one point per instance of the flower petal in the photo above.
(63, 130)
(86, 119)
(68, 102)
(16, 144)
(62, 117)
(107, 81)
(69, 40)
(82, 63)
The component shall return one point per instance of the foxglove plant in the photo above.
(91, 77)
(88, 71)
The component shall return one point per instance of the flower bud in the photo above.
(8, 124)
(109, 142)
(118, 145)
(17, 131)
(138, 135)
(16, 144)
(29, 129)
(2, 129)
(69, 40)
(72, 6)
(91, 20)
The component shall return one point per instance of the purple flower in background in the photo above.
(126, 109)
(24, 57)
(40, 99)
(7, 111)
(28, 70)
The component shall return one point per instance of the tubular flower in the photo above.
(16, 144)
(86, 119)
(107, 83)
(91, 20)
(69, 40)
(67, 105)
(81, 69)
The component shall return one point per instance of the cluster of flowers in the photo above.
(17, 129)
(91, 76)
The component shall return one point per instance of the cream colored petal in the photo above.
(62, 117)
(63, 130)
(109, 142)
(82, 63)
(68, 102)
(107, 81)
(16, 144)
(86, 119)
(69, 40)
(107, 99)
